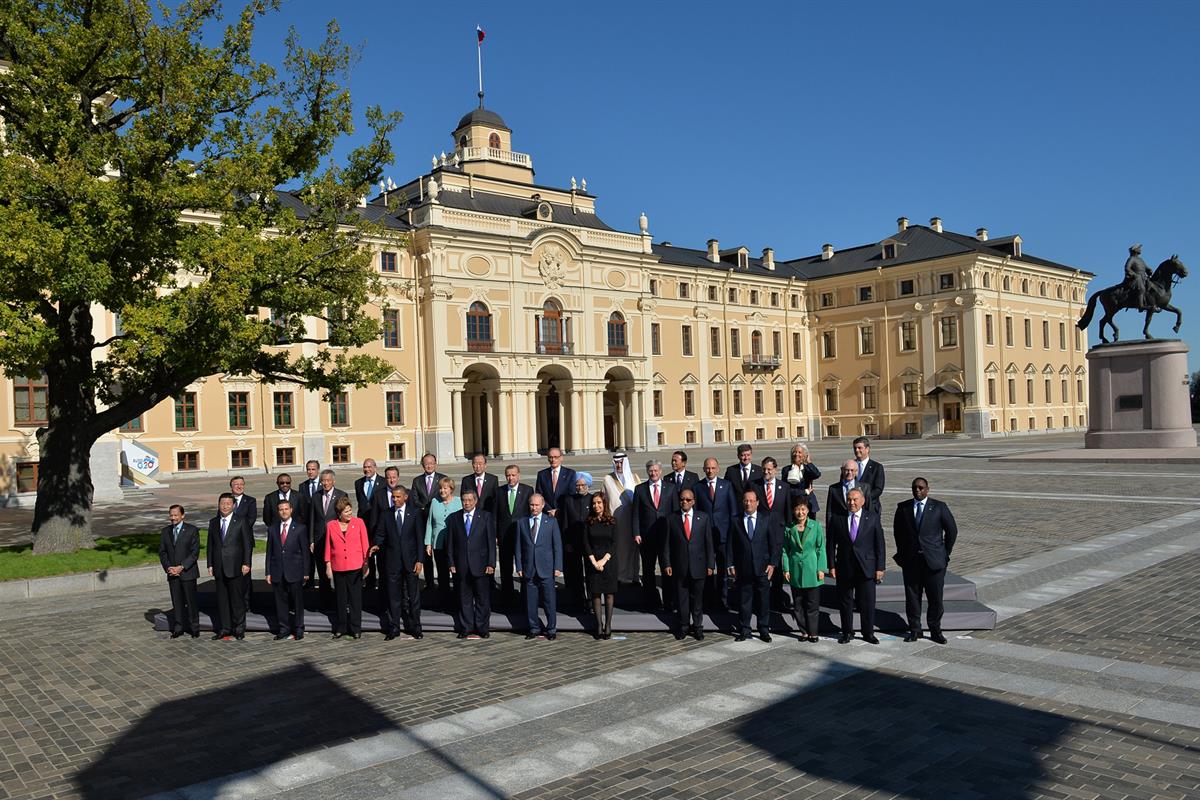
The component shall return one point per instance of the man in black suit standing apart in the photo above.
(925, 532)
(688, 553)
(322, 511)
(230, 548)
(714, 497)
(870, 474)
(482, 483)
(512, 503)
(366, 490)
(422, 493)
(402, 539)
(179, 552)
(681, 476)
(471, 552)
(555, 481)
(836, 501)
(745, 473)
(653, 501)
(855, 552)
(754, 547)
(289, 560)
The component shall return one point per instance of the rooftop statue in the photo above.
(1139, 291)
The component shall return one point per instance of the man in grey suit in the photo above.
(539, 562)
(230, 548)
(925, 533)
(179, 552)
(870, 474)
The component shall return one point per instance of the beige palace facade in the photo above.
(516, 319)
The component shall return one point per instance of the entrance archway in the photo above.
(618, 409)
(480, 410)
(554, 414)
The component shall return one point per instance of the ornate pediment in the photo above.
(991, 368)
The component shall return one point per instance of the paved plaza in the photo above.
(1088, 687)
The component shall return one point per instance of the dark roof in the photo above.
(687, 257)
(488, 203)
(374, 213)
(481, 116)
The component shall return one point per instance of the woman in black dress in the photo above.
(599, 545)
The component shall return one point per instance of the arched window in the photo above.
(1024, 286)
(479, 328)
(617, 342)
(552, 330)
(987, 281)
(756, 344)
(462, 141)
(1007, 284)
(494, 141)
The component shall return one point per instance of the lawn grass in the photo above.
(133, 550)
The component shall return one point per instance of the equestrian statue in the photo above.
(1140, 291)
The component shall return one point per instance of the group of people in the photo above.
(726, 540)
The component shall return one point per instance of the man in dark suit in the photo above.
(511, 503)
(382, 497)
(245, 507)
(284, 491)
(322, 511)
(870, 474)
(774, 500)
(539, 562)
(367, 490)
(289, 561)
(681, 476)
(714, 497)
(471, 551)
(179, 552)
(555, 481)
(307, 489)
(754, 548)
(422, 493)
(836, 504)
(925, 533)
(482, 483)
(688, 552)
(230, 549)
(653, 501)
(855, 551)
(402, 539)
(745, 472)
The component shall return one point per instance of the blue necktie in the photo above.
(370, 485)
(177, 528)
(750, 528)
(920, 512)
(224, 527)
(467, 523)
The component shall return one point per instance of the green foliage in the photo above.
(133, 550)
(142, 174)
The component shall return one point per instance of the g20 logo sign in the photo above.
(144, 463)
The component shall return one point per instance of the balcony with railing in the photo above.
(551, 347)
(495, 154)
(759, 361)
(481, 345)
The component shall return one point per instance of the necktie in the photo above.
(535, 529)
(177, 529)
(770, 494)
(467, 523)
(325, 502)
(853, 527)
(479, 486)
(655, 487)
(370, 485)
(745, 474)
(512, 498)
(750, 528)
(224, 527)
(712, 490)
(428, 484)
(920, 511)
(399, 517)
(312, 489)
(283, 534)
(679, 480)
(553, 480)
(687, 526)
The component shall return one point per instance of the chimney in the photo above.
(714, 250)
(826, 252)
(768, 258)
(981, 234)
(936, 224)
(902, 224)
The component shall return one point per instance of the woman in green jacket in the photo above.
(803, 564)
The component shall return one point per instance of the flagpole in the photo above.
(479, 54)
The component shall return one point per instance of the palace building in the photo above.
(517, 319)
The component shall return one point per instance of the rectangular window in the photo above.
(719, 435)
(739, 434)
(393, 408)
(133, 426)
(1045, 334)
(779, 401)
(689, 403)
(826, 299)
(991, 391)
(239, 409)
(912, 429)
(1012, 392)
(187, 461)
(339, 409)
(797, 346)
(735, 343)
(831, 399)
(684, 290)
(864, 294)
(662, 438)
(1032, 424)
(27, 476)
(655, 339)
(395, 451)
(1008, 332)
(799, 431)
(1066, 397)
(1062, 338)
(658, 402)
(1029, 391)
(866, 340)
(1028, 332)
(391, 327)
(870, 429)
(340, 454)
(988, 333)
(907, 286)
(798, 401)
(760, 434)
(829, 344)
(1048, 390)
(794, 300)
(30, 401)
(654, 287)
(946, 281)
(714, 342)
(717, 404)
(774, 299)
(387, 261)
(281, 404)
(776, 344)
(908, 336)
(754, 297)
(285, 456)
(712, 294)
(1012, 423)
(737, 402)
(833, 430)
(909, 391)
(1078, 339)
(185, 412)
(758, 402)
(241, 459)
(869, 394)
(949, 330)
(732, 295)
(689, 437)
(1079, 392)
(685, 339)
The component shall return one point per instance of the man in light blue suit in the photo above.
(539, 562)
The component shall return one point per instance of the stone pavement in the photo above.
(1089, 687)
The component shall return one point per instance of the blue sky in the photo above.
(787, 125)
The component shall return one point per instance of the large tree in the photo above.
(144, 153)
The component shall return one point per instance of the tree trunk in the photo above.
(62, 516)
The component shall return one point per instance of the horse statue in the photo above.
(1122, 296)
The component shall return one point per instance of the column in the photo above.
(543, 427)
(622, 435)
(598, 405)
(505, 419)
(577, 423)
(562, 420)
(476, 423)
(456, 386)
(639, 421)
(531, 422)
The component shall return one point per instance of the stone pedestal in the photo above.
(1138, 396)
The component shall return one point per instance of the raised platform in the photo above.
(963, 612)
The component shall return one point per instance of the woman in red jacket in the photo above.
(346, 547)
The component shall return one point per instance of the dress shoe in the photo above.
(216, 637)
(938, 637)
(460, 636)
(299, 635)
(530, 635)
(606, 635)
(279, 637)
(699, 636)
(766, 637)
(911, 637)
(741, 637)
(870, 640)
(195, 635)
(485, 635)
(813, 639)
(551, 636)
(176, 634)
(679, 636)
(845, 638)
(390, 636)
(356, 636)
(418, 635)
(336, 636)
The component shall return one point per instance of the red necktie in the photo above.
(283, 534)
(712, 490)
(656, 495)
(687, 526)
(771, 494)
(478, 486)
